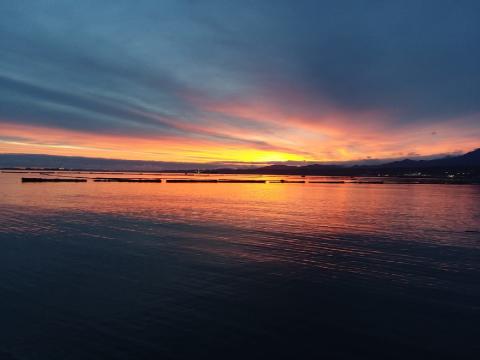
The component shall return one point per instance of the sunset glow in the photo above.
(185, 91)
(239, 179)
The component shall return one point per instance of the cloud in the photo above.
(313, 79)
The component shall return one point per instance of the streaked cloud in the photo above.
(203, 81)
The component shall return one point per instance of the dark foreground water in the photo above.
(222, 271)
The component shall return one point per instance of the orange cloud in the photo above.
(259, 132)
(44, 140)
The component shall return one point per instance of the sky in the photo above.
(239, 81)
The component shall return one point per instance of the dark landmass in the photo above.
(460, 167)
(54, 162)
(463, 166)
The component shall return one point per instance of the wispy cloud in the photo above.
(239, 80)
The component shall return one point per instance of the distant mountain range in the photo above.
(468, 164)
(469, 159)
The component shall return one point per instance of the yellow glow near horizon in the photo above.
(59, 142)
(252, 155)
(295, 143)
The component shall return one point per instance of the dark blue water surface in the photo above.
(221, 271)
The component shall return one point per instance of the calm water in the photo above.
(221, 271)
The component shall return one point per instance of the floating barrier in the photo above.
(233, 181)
(128, 180)
(38, 180)
(326, 182)
(190, 181)
(287, 181)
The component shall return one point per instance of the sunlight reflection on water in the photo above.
(152, 266)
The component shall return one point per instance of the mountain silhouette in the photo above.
(471, 158)
(468, 164)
